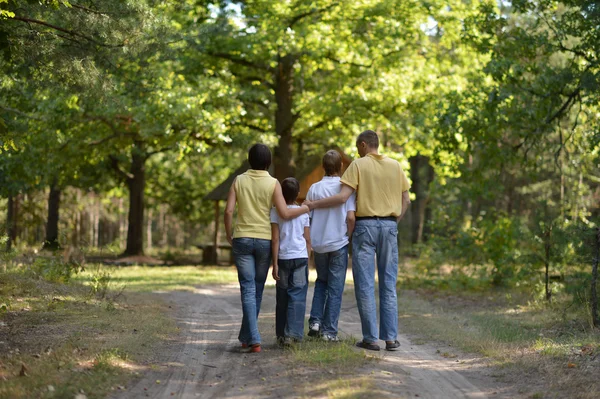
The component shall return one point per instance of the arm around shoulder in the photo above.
(282, 210)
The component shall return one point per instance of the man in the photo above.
(382, 201)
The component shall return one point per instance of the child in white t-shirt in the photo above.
(330, 231)
(291, 248)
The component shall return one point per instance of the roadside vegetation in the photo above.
(548, 349)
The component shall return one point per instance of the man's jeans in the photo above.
(252, 258)
(291, 298)
(376, 237)
(329, 287)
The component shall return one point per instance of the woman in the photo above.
(255, 193)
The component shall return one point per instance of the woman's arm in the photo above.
(275, 249)
(229, 208)
(282, 210)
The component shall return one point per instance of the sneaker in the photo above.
(372, 346)
(330, 338)
(244, 346)
(287, 342)
(392, 346)
(313, 329)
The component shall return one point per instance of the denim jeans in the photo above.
(291, 298)
(252, 258)
(329, 287)
(376, 237)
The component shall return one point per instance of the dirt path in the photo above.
(205, 361)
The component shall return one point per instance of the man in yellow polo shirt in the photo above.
(381, 201)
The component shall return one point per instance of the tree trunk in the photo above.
(594, 293)
(51, 241)
(547, 247)
(136, 184)
(149, 231)
(10, 223)
(284, 118)
(422, 174)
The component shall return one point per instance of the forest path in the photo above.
(204, 359)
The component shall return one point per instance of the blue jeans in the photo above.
(329, 287)
(291, 298)
(252, 258)
(376, 237)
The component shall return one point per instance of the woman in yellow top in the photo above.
(255, 192)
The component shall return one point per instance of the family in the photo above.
(365, 204)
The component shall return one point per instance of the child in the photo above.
(255, 192)
(291, 248)
(329, 234)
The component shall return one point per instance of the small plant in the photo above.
(55, 270)
(100, 282)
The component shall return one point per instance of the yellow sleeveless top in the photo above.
(254, 194)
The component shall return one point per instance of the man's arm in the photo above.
(282, 210)
(334, 200)
(405, 204)
(350, 221)
(229, 208)
(275, 249)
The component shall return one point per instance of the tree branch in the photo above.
(314, 11)
(114, 163)
(239, 61)
(67, 31)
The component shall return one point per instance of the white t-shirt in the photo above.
(328, 231)
(292, 244)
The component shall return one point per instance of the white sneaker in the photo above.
(330, 338)
(313, 329)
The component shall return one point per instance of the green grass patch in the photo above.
(161, 279)
(62, 339)
(331, 356)
(522, 337)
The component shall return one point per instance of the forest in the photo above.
(120, 120)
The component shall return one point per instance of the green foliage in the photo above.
(55, 269)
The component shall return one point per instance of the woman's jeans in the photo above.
(370, 238)
(292, 288)
(252, 258)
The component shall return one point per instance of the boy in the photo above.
(329, 234)
(291, 248)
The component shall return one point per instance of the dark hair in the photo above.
(290, 189)
(369, 137)
(259, 157)
(332, 163)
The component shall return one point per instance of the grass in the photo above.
(161, 279)
(331, 357)
(554, 344)
(62, 339)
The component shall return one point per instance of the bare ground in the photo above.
(205, 361)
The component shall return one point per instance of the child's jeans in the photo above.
(252, 259)
(291, 298)
(329, 287)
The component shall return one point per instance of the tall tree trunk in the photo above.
(51, 241)
(10, 223)
(422, 174)
(149, 231)
(594, 293)
(284, 118)
(136, 184)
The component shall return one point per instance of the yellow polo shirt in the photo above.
(254, 194)
(379, 182)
